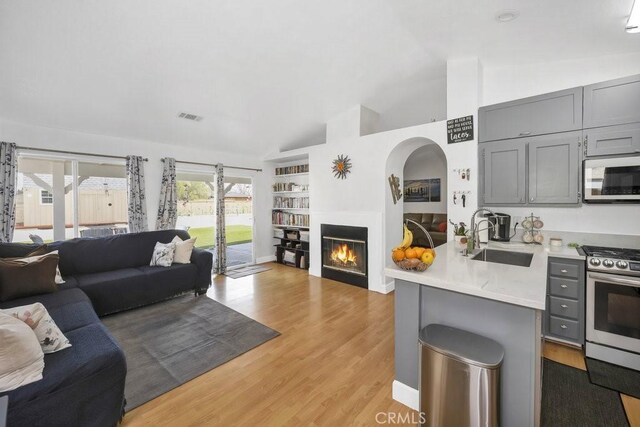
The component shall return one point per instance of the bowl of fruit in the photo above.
(413, 258)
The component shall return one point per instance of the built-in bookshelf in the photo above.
(290, 214)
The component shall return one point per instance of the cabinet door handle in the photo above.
(532, 199)
(563, 286)
(563, 326)
(564, 306)
(525, 133)
(563, 271)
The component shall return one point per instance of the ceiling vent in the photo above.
(189, 116)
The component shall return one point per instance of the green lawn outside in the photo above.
(235, 234)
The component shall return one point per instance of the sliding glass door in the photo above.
(59, 199)
(196, 213)
(238, 202)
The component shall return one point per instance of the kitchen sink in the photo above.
(521, 259)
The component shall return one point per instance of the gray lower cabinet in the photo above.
(613, 140)
(554, 168)
(537, 115)
(503, 171)
(613, 102)
(565, 313)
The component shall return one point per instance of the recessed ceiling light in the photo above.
(507, 15)
(633, 24)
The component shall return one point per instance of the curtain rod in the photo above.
(211, 164)
(48, 150)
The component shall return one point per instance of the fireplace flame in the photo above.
(343, 255)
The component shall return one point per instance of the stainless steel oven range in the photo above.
(613, 305)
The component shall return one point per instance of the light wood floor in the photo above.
(332, 365)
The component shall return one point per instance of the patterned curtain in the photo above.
(221, 237)
(8, 166)
(168, 206)
(137, 201)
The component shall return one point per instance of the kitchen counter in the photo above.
(522, 286)
(499, 301)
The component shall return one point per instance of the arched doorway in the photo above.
(396, 162)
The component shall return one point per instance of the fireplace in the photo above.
(344, 254)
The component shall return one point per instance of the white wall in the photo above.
(365, 194)
(59, 139)
(509, 83)
(428, 161)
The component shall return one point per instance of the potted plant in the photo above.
(459, 232)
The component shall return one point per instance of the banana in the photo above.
(407, 239)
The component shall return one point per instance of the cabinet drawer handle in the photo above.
(563, 271)
(525, 133)
(563, 286)
(563, 326)
(564, 306)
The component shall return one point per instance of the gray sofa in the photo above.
(83, 385)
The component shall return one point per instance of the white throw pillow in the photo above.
(163, 254)
(183, 250)
(31, 259)
(37, 318)
(21, 358)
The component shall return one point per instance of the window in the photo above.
(93, 198)
(46, 197)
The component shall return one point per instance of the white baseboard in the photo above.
(390, 286)
(264, 259)
(406, 395)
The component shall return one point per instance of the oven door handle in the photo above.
(615, 279)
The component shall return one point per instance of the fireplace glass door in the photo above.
(346, 255)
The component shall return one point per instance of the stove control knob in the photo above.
(622, 264)
(607, 263)
(594, 262)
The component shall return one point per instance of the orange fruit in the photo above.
(397, 255)
(419, 251)
(411, 253)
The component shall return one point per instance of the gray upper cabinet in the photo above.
(549, 113)
(613, 140)
(554, 168)
(503, 170)
(614, 102)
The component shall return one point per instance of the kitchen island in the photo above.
(498, 301)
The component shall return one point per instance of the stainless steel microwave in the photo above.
(612, 180)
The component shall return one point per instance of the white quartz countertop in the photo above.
(523, 286)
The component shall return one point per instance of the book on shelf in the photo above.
(280, 202)
(291, 170)
(286, 218)
(290, 186)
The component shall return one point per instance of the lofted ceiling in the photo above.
(267, 75)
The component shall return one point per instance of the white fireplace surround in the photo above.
(375, 226)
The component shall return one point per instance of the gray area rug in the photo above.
(569, 399)
(615, 377)
(246, 271)
(170, 343)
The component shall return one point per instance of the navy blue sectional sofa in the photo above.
(84, 385)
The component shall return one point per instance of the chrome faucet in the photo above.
(475, 235)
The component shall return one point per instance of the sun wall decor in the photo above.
(341, 166)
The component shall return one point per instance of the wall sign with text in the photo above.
(460, 129)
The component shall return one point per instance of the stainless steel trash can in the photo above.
(459, 378)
